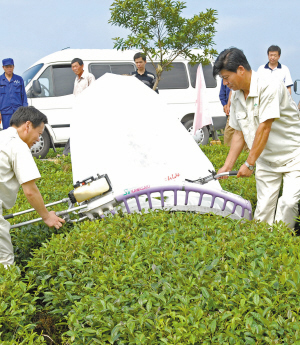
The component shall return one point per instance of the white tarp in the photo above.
(122, 128)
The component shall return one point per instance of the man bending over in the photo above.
(265, 117)
(17, 167)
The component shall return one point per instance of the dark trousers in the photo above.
(66, 150)
(6, 120)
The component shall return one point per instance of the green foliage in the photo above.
(158, 278)
(17, 307)
(172, 278)
(158, 29)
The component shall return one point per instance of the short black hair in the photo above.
(77, 60)
(24, 114)
(230, 59)
(274, 49)
(139, 55)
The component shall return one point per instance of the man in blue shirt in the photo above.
(12, 92)
(225, 96)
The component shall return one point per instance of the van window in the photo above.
(46, 82)
(210, 81)
(100, 69)
(176, 78)
(30, 73)
(63, 78)
(57, 81)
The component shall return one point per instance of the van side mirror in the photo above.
(296, 87)
(36, 87)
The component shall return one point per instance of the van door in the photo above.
(56, 99)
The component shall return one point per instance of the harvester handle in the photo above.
(212, 176)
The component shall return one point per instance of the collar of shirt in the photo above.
(13, 132)
(253, 92)
(143, 73)
(267, 66)
(83, 76)
(13, 78)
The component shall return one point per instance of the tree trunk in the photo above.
(158, 77)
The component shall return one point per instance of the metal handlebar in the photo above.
(60, 213)
(12, 215)
(212, 176)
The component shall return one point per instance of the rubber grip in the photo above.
(233, 173)
(9, 216)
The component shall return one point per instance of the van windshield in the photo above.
(30, 73)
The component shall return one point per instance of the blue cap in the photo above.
(8, 61)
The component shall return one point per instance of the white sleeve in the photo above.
(91, 78)
(23, 164)
(288, 79)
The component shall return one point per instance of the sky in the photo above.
(32, 29)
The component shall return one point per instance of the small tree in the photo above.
(161, 33)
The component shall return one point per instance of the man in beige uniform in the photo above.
(17, 167)
(264, 116)
(82, 81)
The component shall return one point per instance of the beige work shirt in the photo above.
(268, 99)
(17, 166)
(83, 82)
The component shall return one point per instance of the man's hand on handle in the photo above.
(35, 199)
(223, 169)
(53, 220)
(244, 171)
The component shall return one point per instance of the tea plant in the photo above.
(157, 278)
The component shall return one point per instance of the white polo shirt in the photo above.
(17, 166)
(268, 99)
(281, 72)
(83, 82)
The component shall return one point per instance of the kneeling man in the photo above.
(264, 116)
(17, 167)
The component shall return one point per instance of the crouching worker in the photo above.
(264, 116)
(17, 167)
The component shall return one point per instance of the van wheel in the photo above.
(201, 137)
(41, 148)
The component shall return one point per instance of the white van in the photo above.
(49, 86)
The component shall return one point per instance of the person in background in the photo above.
(275, 68)
(17, 167)
(12, 92)
(225, 95)
(141, 73)
(264, 115)
(82, 81)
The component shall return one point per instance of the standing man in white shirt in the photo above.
(264, 116)
(275, 68)
(17, 167)
(82, 81)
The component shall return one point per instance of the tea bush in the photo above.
(171, 278)
(158, 278)
(17, 307)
